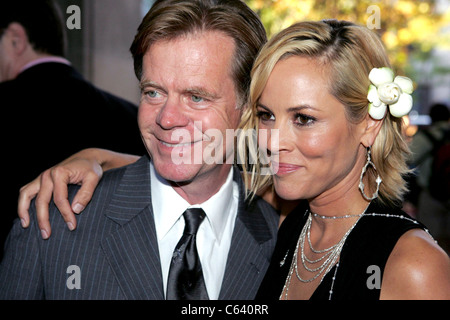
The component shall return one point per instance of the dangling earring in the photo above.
(378, 179)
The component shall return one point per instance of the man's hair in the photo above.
(42, 21)
(439, 112)
(170, 19)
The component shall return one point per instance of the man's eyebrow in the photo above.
(200, 91)
(196, 91)
(148, 83)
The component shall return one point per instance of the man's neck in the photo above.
(43, 58)
(202, 188)
(25, 58)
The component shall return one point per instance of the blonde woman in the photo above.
(348, 239)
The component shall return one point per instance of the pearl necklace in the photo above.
(332, 252)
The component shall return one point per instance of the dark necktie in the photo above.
(185, 280)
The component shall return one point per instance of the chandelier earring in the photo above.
(377, 180)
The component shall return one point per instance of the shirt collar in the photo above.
(45, 60)
(217, 208)
(168, 205)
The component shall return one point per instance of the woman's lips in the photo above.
(284, 168)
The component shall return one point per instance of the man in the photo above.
(193, 61)
(41, 94)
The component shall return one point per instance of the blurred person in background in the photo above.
(49, 110)
(431, 178)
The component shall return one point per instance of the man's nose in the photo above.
(171, 115)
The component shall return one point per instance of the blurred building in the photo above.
(100, 49)
(433, 75)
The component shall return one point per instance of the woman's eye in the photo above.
(303, 120)
(265, 116)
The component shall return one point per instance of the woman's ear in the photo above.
(371, 128)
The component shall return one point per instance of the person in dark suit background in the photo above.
(193, 60)
(49, 111)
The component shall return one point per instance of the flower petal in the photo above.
(378, 76)
(377, 113)
(402, 107)
(405, 83)
(372, 96)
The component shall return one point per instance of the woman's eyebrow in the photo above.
(301, 108)
(292, 109)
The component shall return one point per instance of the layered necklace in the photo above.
(327, 260)
(330, 255)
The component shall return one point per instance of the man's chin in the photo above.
(177, 173)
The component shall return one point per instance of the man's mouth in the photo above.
(176, 145)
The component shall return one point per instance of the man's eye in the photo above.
(152, 93)
(197, 98)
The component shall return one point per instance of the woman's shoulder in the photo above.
(417, 268)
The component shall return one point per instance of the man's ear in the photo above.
(18, 37)
(371, 128)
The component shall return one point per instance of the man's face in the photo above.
(188, 101)
(6, 55)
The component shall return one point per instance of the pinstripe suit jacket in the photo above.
(116, 250)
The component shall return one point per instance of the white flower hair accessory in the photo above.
(386, 91)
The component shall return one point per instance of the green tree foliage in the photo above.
(407, 27)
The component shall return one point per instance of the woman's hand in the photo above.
(84, 168)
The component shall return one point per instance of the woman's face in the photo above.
(319, 150)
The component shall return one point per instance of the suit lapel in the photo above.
(132, 250)
(251, 248)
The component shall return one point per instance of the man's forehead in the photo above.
(195, 35)
(193, 62)
(202, 44)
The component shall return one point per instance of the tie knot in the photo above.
(192, 218)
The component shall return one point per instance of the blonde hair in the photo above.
(349, 51)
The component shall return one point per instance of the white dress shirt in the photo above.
(213, 236)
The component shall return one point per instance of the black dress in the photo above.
(365, 253)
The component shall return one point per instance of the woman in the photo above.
(349, 240)
(311, 83)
